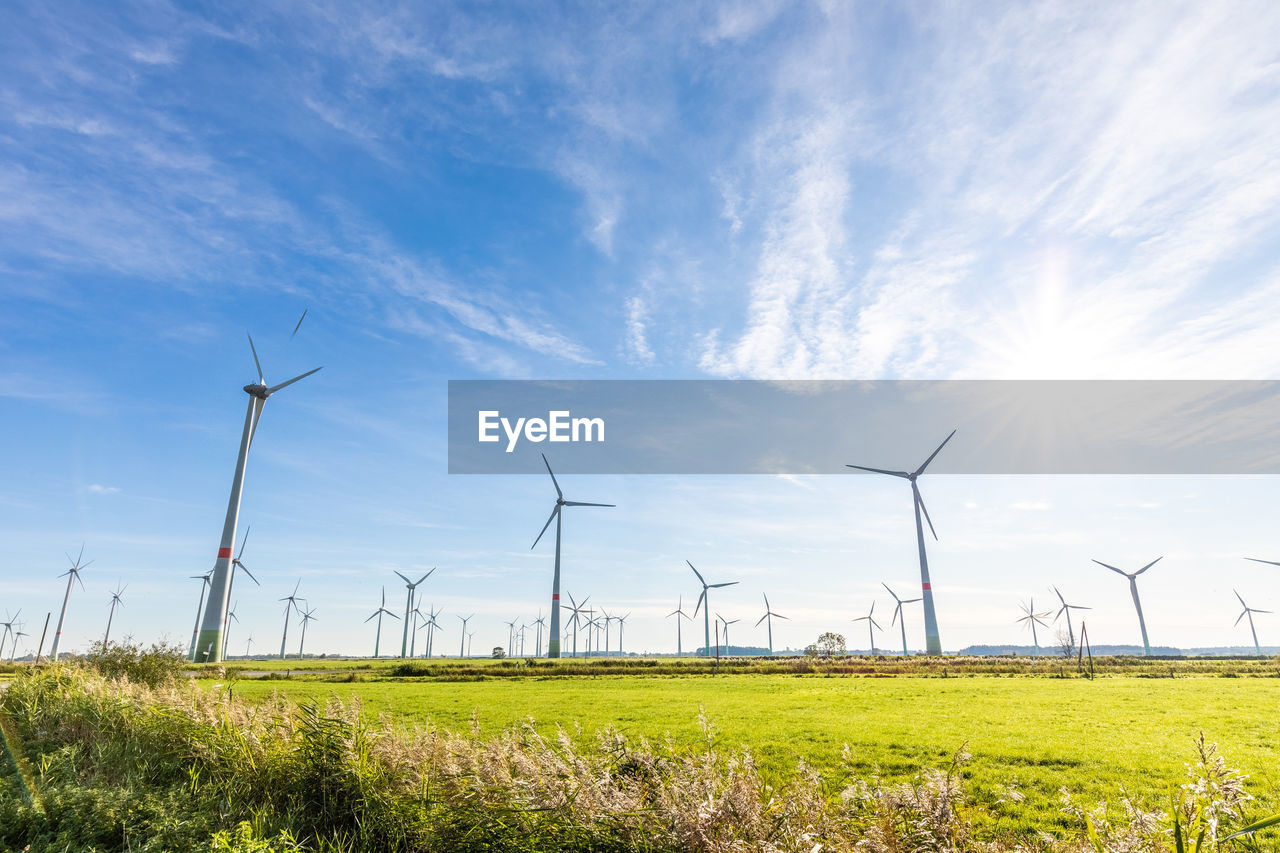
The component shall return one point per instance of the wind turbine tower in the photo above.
(111, 614)
(408, 609)
(899, 617)
(215, 615)
(1249, 611)
(872, 625)
(680, 614)
(703, 600)
(308, 615)
(380, 612)
(1067, 608)
(1133, 590)
(462, 647)
(290, 603)
(768, 618)
(553, 643)
(933, 643)
(73, 574)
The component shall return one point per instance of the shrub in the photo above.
(153, 665)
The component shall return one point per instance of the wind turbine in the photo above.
(418, 621)
(541, 622)
(1133, 589)
(604, 614)
(236, 564)
(575, 614)
(408, 609)
(307, 616)
(768, 617)
(382, 609)
(553, 643)
(1249, 611)
(462, 647)
(215, 616)
(1067, 608)
(8, 629)
(899, 617)
(933, 643)
(432, 626)
(231, 614)
(115, 599)
(872, 624)
(622, 621)
(511, 637)
(1032, 618)
(290, 601)
(702, 599)
(73, 574)
(191, 652)
(247, 645)
(726, 623)
(13, 651)
(470, 635)
(680, 614)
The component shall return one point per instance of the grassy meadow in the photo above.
(1029, 734)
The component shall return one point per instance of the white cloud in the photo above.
(99, 489)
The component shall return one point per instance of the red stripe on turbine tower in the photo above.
(926, 586)
(224, 552)
(555, 596)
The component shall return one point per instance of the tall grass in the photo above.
(108, 764)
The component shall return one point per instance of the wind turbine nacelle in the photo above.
(257, 390)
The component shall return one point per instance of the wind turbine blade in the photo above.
(256, 363)
(1261, 611)
(1268, 562)
(274, 388)
(550, 519)
(718, 585)
(1243, 614)
(405, 579)
(701, 598)
(1147, 566)
(761, 619)
(559, 493)
(244, 542)
(698, 573)
(245, 569)
(300, 319)
(584, 503)
(925, 509)
(902, 474)
(1242, 604)
(911, 600)
(780, 616)
(424, 577)
(1112, 568)
(376, 612)
(920, 470)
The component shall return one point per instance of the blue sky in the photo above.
(846, 190)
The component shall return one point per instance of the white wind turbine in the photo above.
(726, 623)
(899, 617)
(933, 643)
(215, 615)
(408, 609)
(1249, 611)
(1031, 619)
(111, 614)
(679, 614)
(195, 631)
(872, 625)
(8, 630)
(541, 622)
(703, 600)
(13, 650)
(575, 615)
(236, 564)
(380, 612)
(768, 617)
(462, 646)
(1133, 590)
(308, 615)
(432, 627)
(290, 603)
(1067, 608)
(553, 644)
(226, 635)
(622, 622)
(73, 574)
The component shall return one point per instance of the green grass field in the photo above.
(1095, 738)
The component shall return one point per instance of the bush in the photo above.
(153, 666)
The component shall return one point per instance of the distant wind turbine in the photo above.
(462, 647)
(768, 618)
(8, 630)
(679, 614)
(622, 622)
(408, 609)
(191, 651)
(290, 603)
(541, 622)
(13, 650)
(553, 644)
(115, 600)
(726, 623)
(1067, 608)
(380, 612)
(575, 615)
(872, 624)
(1031, 619)
(215, 615)
(226, 635)
(704, 600)
(1133, 589)
(73, 574)
(1249, 611)
(899, 617)
(933, 644)
(308, 615)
